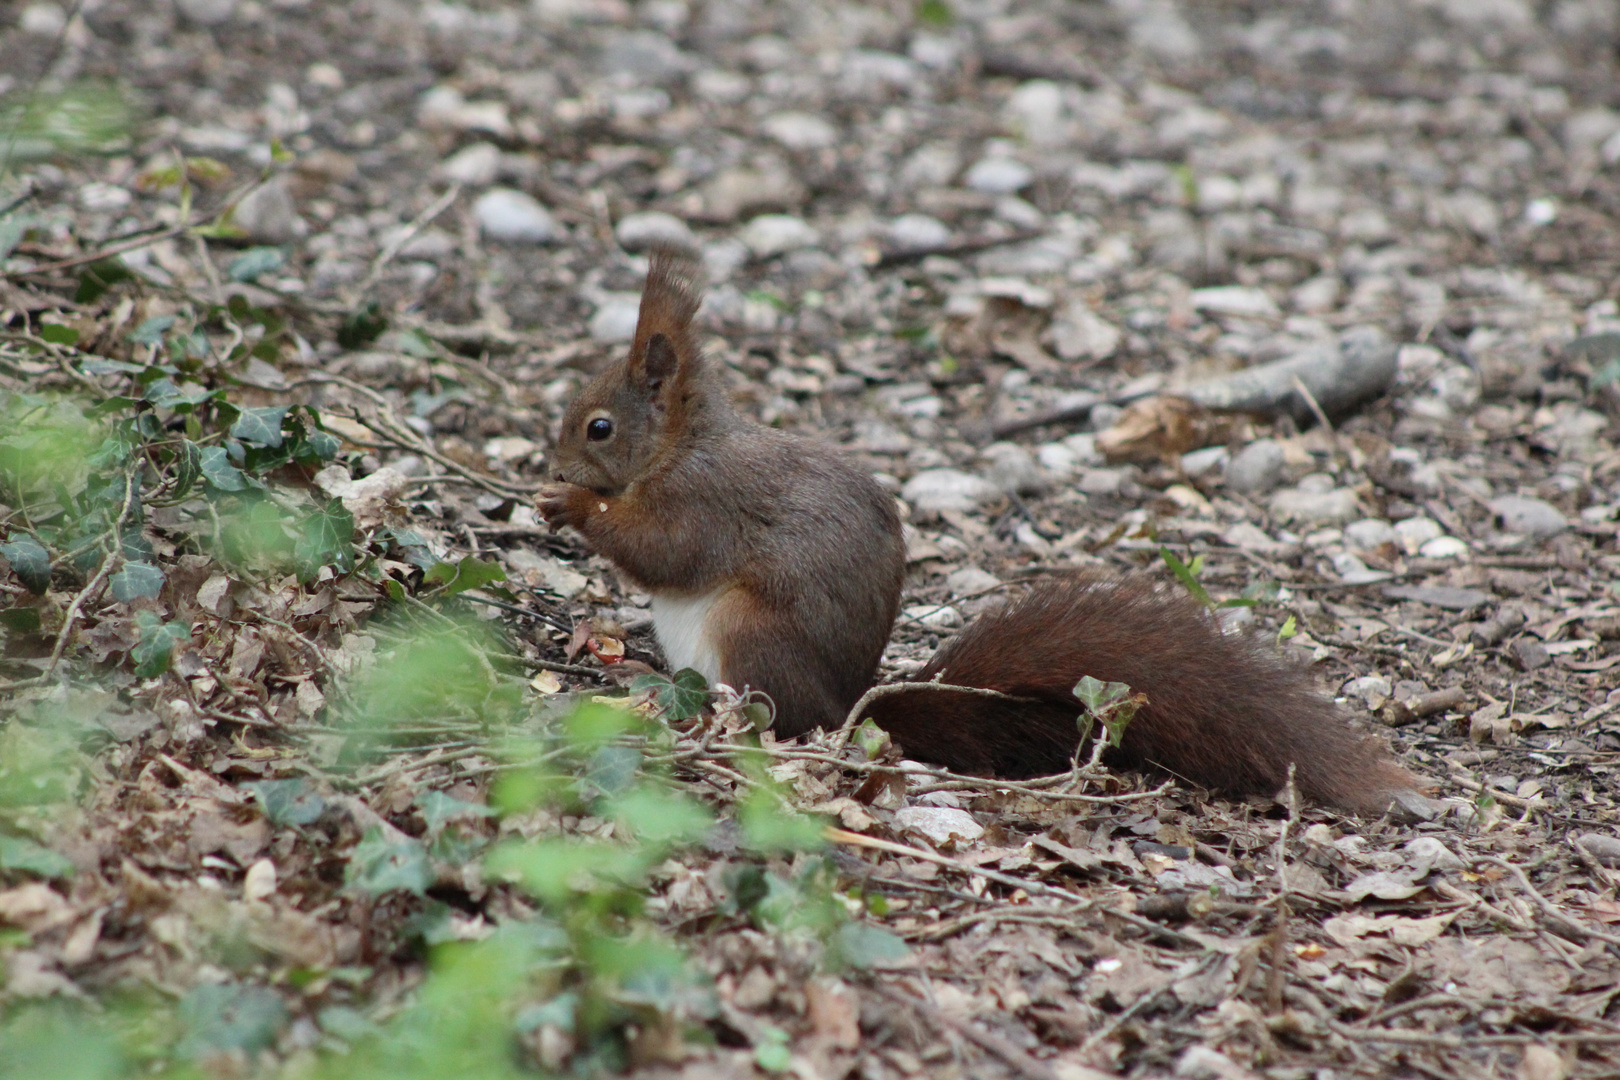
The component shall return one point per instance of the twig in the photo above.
(1008, 1054)
(397, 244)
(1277, 976)
(94, 585)
(1550, 910)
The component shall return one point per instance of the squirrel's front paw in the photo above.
(565, 504)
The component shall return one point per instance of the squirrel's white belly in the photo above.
(681, 622)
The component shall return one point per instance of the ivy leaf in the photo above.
(254, 263)
(136, 579)
(57, 334)
(21, 853)
(217, 469)
(30, 562)
(326, 539)
(862, 945)
(680, 697)
(458, 577)
(155, 650)
(260, 426)
(188, 468)
(438, 808)
(152, 330)
(287, 802)
(219, 1018)
(20, 620)
(379, 865)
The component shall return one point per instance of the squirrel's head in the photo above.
(642, 405)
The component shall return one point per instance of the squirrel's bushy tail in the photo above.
(1223, 710)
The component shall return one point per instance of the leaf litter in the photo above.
(291, 680)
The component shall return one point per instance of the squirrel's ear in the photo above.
(663, 351)
(661, 361)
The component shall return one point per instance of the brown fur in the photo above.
(689, 496)
(1223, 710)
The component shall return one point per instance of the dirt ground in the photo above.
(967, 240)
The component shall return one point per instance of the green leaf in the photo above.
(20, 620)
(21, 853)
(254, 263)
(680, 697)
(260, 426)
(219, 1018)
(154, 651)
(862, 945)
(152, 330)
(767, 826)
(326, 538)
(288, 802)
(30, 562)
(870, 739)
(134, 580)
(379, 865)
(1289, 629)
(935, 13)
(96, 365)
(458, 577)
(1097, 695)
(218, 470)
(660, 817)
(188, 468)
(1187, 575)
(362, 326)
(772, 1053)
(98, 277)
(58, 335)
(438, 808)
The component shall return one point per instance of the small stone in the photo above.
(1444, 547)
(1207, 460)
(1240, 300)
(511, 216)
(1013, 469)
(1352, 571)
(1078, 333)
(639, 232)
(1247, 536)
(1529, 517)
(734, 192)
(936, 490)
(942, 826)
(1057, 458)
(918, 232)
(1317, 295)
(615, 318)
(1369, 534)
(999, 176)
(1257, 468)
(475, 165)
(774, 234)
(1414, 532)
(207, 12)
(269, 216)
(970, 581)
(1531, 654)
(800, 131)
(1102, 481)
(935, 616)
(1315, 507)
(444, 107)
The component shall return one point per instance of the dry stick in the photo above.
(1279, 934)
(1500, 796)
(1547, 907)
(102, 573)
(397, 244)
(138, 242)
(1033, 888)
(1010, 1055)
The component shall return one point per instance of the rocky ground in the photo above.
(926, 228)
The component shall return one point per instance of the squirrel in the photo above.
(776, 565)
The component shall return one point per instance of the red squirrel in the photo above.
(776, 565)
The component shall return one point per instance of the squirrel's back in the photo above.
(1223, 710)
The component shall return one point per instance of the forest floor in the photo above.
(303, 770)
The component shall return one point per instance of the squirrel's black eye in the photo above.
(599, 429)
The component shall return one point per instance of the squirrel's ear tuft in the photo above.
(663, 348)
